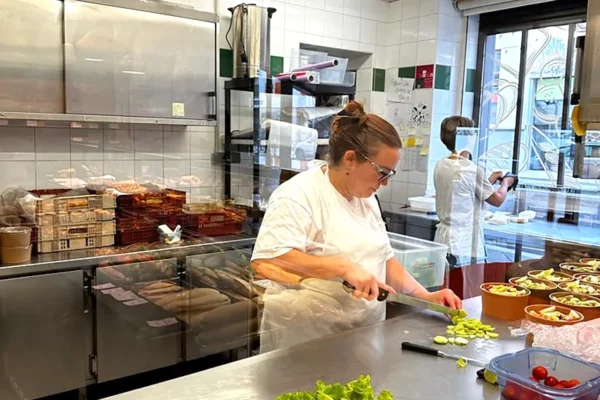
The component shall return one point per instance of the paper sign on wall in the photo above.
(400, 90)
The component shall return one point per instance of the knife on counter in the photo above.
(384, 295)
(431, 351)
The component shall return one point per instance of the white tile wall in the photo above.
(353, 7)
(368, 31)
(67, 157)
(410, 9)
(16, 144)
(351, 28)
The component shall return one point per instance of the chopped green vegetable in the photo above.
(462, 314)
(360, 389)
(493, 335)
(451, 340)
(461, 362)
(461, 341)
(440, 340)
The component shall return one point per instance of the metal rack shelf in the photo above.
(259, 138)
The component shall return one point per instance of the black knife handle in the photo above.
(419, 348)
(383, 294)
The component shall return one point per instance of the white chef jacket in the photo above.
(461, 189)
(308, 214)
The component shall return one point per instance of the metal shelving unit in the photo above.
(258, 142)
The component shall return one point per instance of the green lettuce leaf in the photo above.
(359, 389)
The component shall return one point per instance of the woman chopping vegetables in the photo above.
(325, 223)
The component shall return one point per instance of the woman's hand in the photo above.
(496, 176)
(445, 297)
(366, 284)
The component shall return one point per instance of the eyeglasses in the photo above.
(383, 172)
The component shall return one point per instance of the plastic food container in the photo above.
(560, 308)
(513, 372)
(334, 75)
(15, 237)
(424, 260)
(563, 287)
(15, 255)
(566, 277)
(576, 268)
(422, 204)
(538, 296)
(588, 278)
(589, 313)
(500, 306)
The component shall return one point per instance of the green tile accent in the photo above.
(470, 81)
(226, 60)
(407, 72)
(443, 74)
(276, 65)
(378, 80)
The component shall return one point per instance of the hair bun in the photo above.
(354, 109)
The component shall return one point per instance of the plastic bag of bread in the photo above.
(192, 300)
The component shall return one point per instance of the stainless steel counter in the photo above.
(80, 259)
(374, 350)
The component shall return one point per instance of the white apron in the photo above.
(319, 308)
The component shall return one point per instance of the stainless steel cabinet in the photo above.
(140, 64)
(230, 326)
(134, 338)
(31, 61)
(42, 335)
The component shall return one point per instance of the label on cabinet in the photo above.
(104, 286)
(178, 109)
(136, 302)
(162, 322)
(124, 296)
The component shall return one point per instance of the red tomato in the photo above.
(572, 383)
(510, 391)
(551, 381)
(560, 386)
(563, 383)
(539, 372)
(533, 378)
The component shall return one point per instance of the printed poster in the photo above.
(424, 77)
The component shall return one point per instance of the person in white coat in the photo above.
(325, 223)
(461, 193)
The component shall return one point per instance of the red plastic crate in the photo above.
(152, 199)
(215, 229)
(137, 236)
(224, 215)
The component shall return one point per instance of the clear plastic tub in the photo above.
(334, 75)
(422, 204)
(424, 260)
(349, 78)
(305, 57)
(513, 371)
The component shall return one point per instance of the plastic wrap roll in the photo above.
(321, 65)
(302, 78)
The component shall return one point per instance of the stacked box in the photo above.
(73, 222)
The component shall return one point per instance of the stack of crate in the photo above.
(139, 215)
(73, 222)
(212, 220)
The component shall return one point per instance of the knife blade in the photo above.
(384, 295)
(419, 348)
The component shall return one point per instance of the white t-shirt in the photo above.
(461, 189)
(308, 214)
